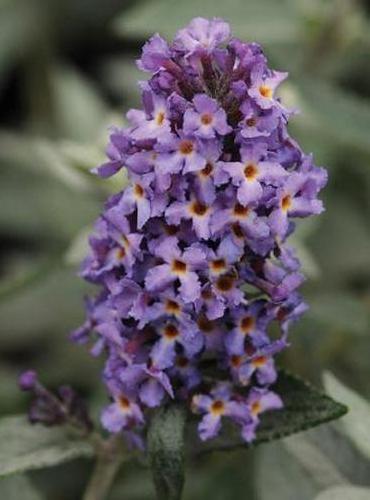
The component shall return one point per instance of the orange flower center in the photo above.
(225, 283)
(259, 362)
(121, 253)
(178, 266)
(251, 122)
(286, 202)
(170, 332)
(218, 265)
(124, 403)
(240, 211)
(206, 119)
(172, 307)
(207, 170)
(186, 147)
(198, 208)
(160, 118)
(256, 408)
(218, 407)
(247, 324)
(250, 171)
(139, 191)
(265, 91)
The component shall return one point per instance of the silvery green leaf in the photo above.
(297, 467)
(78, 248)
(26, 447)
(51, 306)
(40, 156)
(324, 106)
(336, 446)
(341, 230)
(20, 32)
(316, 464)
(356, 424)
(78, 108)
(344, 493)
(18, 487)
(279, 476)
(341, 311)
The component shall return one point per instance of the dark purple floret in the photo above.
(27, 380)
(191, 258)
(47, 408)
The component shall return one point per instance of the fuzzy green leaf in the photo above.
(18, 487)
(166, 451)
(304, 407)
(324, 105)
(25, 446)
(345, 493)
(356, 424)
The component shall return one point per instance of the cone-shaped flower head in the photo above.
(215, 184)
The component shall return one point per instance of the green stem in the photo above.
(109, 459)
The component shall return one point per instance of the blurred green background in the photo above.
(67, 72)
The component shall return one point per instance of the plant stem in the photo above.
(109, 459)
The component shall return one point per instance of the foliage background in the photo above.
(66, 73)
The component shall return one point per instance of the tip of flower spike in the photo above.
(27, 380)
(202, 34)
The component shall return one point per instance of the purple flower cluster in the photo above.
(63, 407)
(191, 257)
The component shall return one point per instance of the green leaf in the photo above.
(356, 424)
(336, 446)
(340, 310)
(317, 465)
(342, 228)
(299, 467)
(279, 476)
(265, 21)
(25, 278)
(166, 451)
(336, 113)
(43, 157)
(304, 407)
(79, 247)
(344, 493)
(27, 446)
(121, 76)
(20, 32)
(57, 211)
(78, 108)
(18, 487)
(51, 306)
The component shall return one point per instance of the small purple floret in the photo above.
(27, 380)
